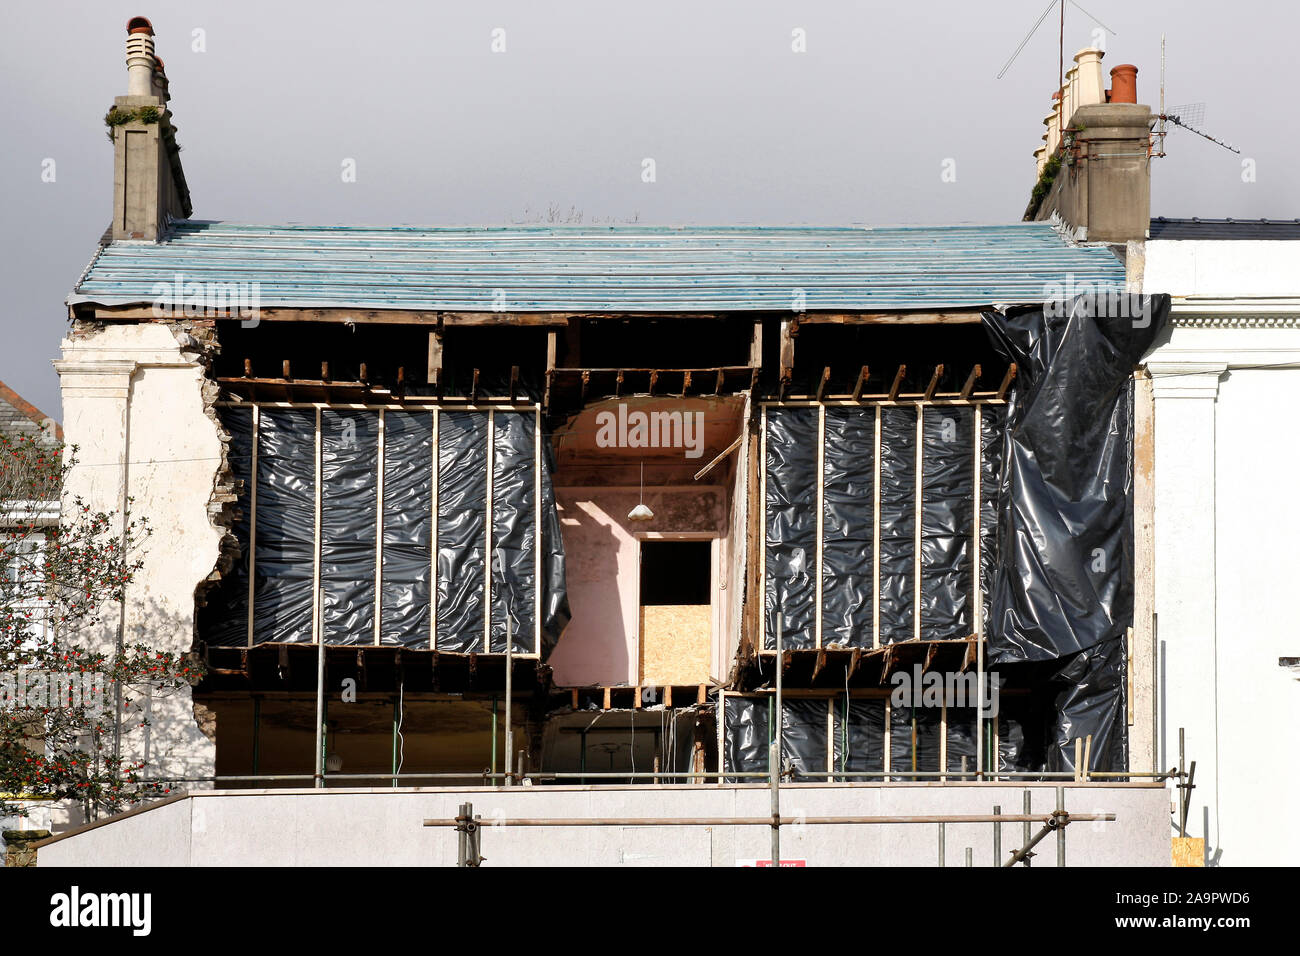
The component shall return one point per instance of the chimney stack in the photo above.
(149, 187)
(1095, 172)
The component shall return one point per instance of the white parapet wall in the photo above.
(385, 827)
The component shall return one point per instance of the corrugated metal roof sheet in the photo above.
(1224, 229)
(598, 269)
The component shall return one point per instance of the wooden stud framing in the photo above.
(820, 498)
(897, 384)
(318, 605)
(920, 458)
(822, 383)
(252, 522)
(875, 533)
(977, 597)
(934, 383)
(433, 545)
(537, 530)
(943, 737)
(487, 537)
(889, 728)
(379, 531)
(1006, 381)
(861, 383)
(971, 379)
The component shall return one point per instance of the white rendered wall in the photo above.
(1227, 536)
(133, 404)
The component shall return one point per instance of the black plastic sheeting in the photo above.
(803, 737)
(223, 620)
(848, 493)
(859, 742)
(858, 739)
(747, 733)
(1063, 586)
(745, 736)
(555, 595)
(349, 521)
(462, 518)
(791, 526)
(992, 420)
(286, 526)
(947, 521)
(514, 531)
(897, 524)
(408, 529)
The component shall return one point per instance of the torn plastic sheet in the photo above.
(1064, 578)
(848, 495)
(791, 526)
(897, 523)
(514, 530)
(947, 521)
(462, 517)
(223, 620)
(408, 528)
(555, 595)
(349, 521)
(992, 419)
(286, 526)
(1091, 702)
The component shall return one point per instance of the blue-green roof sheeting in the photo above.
(605, 269)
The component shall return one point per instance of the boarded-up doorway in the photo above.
(676, 612)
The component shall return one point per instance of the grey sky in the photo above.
(741, 128)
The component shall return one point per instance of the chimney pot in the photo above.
(1123, 83)
(139, 57)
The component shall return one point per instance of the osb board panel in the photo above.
(675, 644)
(1188, 851)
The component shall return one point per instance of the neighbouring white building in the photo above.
(1227, 525)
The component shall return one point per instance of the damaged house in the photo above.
(567, 505)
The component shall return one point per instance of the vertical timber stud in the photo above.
(318, 621)
(318, 604)
(977, 595)
(487, 529)
(821, 493)
(433, 544)
(943, 737)
(885, 760)
(537, 532)
(875, 544)
(762, 533)
(830, 740)
(379, 530)
(252, 522)
(920, 458)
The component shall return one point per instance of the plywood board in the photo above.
(675, 644)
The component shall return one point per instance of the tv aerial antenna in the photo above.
(1190, 116)
(1060, 40)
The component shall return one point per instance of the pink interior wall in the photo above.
(600, 645)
